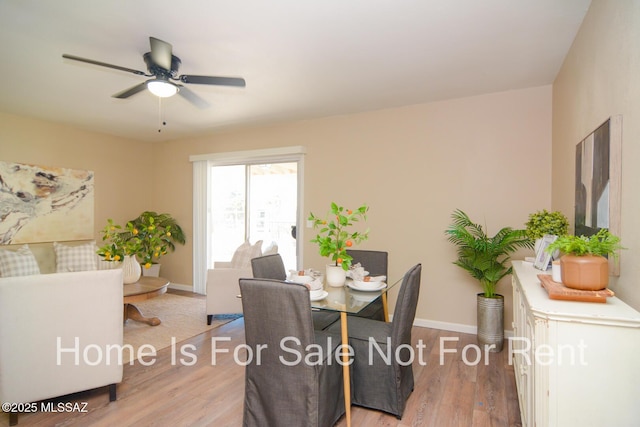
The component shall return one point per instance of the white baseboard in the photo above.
(179, 287)
(424, 323)
(445, 326)
(453, 327)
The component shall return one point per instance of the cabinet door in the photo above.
(521, 346)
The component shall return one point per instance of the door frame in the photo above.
(202, 163)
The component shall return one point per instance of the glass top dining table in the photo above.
(347, 300)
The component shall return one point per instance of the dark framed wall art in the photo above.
(598, 181)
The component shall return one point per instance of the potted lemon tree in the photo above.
(334, 239)
(120, 248)
(145, 239)
(158, 233)
(486, 259)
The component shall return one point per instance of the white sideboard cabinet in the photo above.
(575, 363)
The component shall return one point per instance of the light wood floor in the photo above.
(207, 394)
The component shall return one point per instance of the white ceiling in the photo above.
(300, 58)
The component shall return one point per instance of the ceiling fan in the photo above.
(163, 66)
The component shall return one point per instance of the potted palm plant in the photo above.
(334, 239)
(486, 259)
(584, 264)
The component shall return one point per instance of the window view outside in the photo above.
(254, 202)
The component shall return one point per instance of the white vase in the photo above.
(153, 271)
(336, 276)
(131, 269)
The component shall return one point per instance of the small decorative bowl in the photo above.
(301, 279)
(366, 285)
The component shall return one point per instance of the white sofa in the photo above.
(43, 316)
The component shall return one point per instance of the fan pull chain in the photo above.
(161, 121)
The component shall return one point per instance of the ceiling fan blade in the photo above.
(161, 53)
(211, 80)
(193, 98)
(103, 64)
(131, 91)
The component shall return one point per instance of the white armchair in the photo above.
(223, 287)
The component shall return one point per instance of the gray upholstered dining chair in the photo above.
(269, 267)
(282, 386)
(380, 385)
(376, 263)
(272, 267)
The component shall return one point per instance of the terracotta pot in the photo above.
(587, 272)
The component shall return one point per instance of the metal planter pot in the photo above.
(491, 322)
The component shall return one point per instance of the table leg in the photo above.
(345, 368)
(132, 312)
(385, 307)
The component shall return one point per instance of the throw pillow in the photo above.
(245, 252)
(18, 263)
(272, 249)
(75, 258)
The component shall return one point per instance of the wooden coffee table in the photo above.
(144, 289)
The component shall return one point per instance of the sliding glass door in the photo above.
(246, 195)
(254, 202)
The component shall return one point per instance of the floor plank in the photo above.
(451, 393)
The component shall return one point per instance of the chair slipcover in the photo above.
(272, 267)
(279, 391)
(269, 267)
(380, 385)
(376, 263)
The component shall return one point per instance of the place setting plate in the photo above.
(320, 296)
(366, 286)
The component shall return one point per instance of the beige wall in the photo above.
(488, 155)
(601, 78)
(123, 168)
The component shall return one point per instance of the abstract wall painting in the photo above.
(45, 204)
(598, 181)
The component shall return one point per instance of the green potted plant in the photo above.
(158, 234)
(121, 247)
(486, 259)
(334, 239)
(584, 264)
(544, 222)
(117, 242)
(171, 231)
(146, 238)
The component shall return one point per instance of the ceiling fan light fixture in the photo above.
(162, 88)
